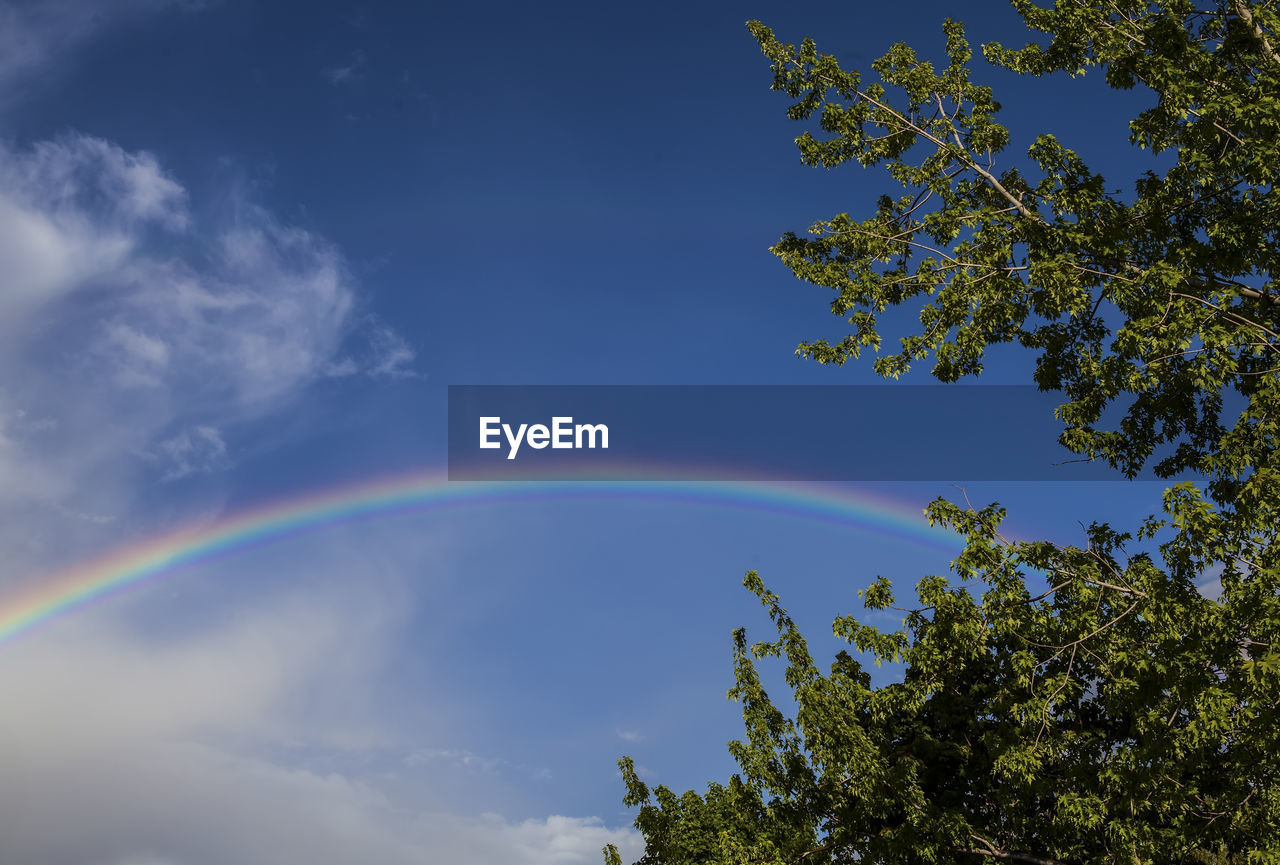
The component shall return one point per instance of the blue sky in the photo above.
(248, 246)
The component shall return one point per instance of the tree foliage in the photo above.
(1117, 713)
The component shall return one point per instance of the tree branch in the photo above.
(1242, 9)
(989, 177)
(989, 849)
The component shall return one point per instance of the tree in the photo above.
(1114, 713)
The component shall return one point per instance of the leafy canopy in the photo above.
(1114, 713)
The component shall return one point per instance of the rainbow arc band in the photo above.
(80, 585)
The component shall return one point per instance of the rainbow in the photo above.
(129, 565)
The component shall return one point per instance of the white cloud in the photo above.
(72, 211)
(390, 354)
(177, 749)
(197, 449)
(132, 328)
(387, 355)
(341, 368)
(565, 840)
(263, 315)
(138, 359)
(630, 736)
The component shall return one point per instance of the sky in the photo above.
(248, 246)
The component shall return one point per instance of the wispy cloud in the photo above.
(390, 355)
(33, 36)
(630, 736)
(385, 354)
(468, 761)
(457, 757)
(73, 210)
(127, 322)
(197, 449)
(348, 72)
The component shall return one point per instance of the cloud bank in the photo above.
(186, 750)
